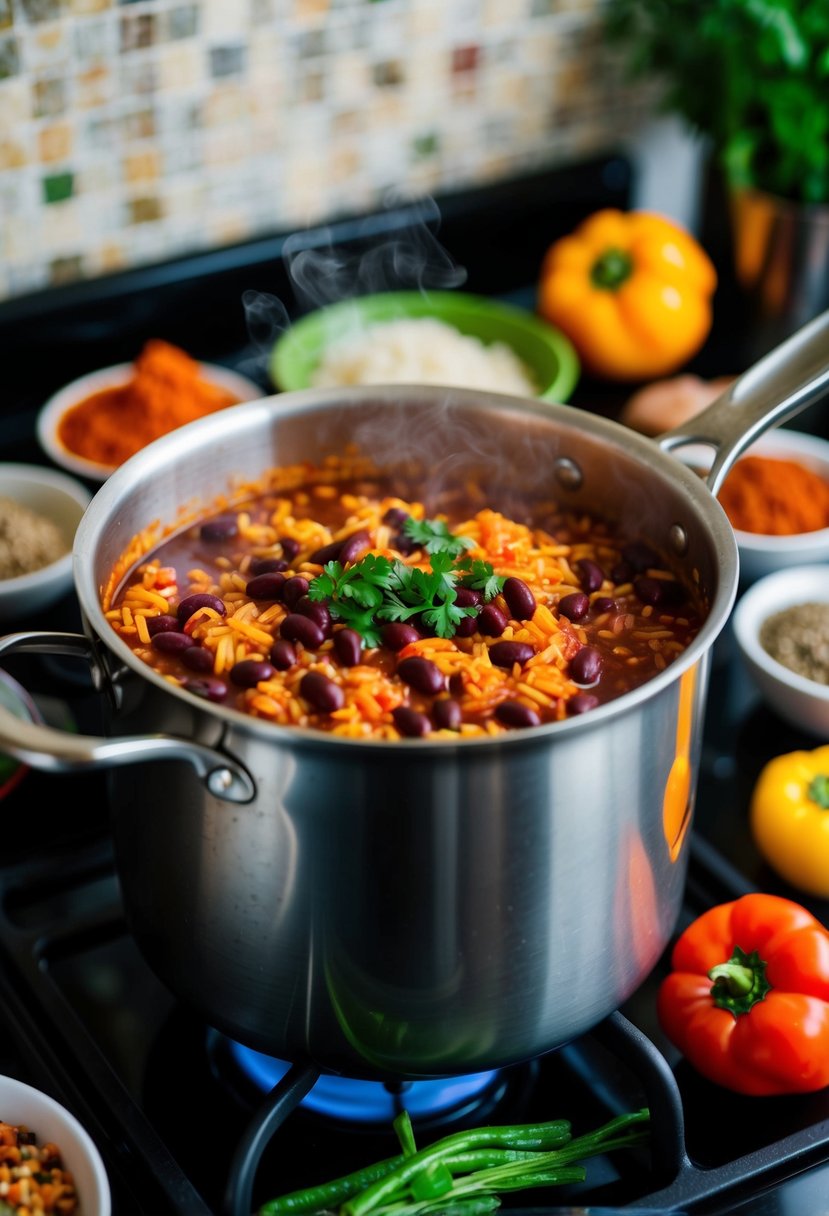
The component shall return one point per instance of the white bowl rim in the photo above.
(87, 1144)
(770, 594)
(779, 441)
(110, 377)
(27, 474)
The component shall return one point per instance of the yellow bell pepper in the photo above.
(632, 291)
(789, 818)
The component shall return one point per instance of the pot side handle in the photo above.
(57, 751)
(786, 380)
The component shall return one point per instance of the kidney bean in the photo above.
(317, 611)
(299, 628)
(211, 688)
(403, 543)
(622, 572)
(516, 713)
(320, 692)
(294, 589)
(397, 634)
(248, 672)
(197, 658)
(603, 603)
(506, 654)
(283, 654)
(201, 599)
(348, 646)
(411, 723)
(468, 597)
(327, 553)
(491, 621)
(591, 575)
(268, 565)
(575, 606)
(447, 714)
(466, 626)
(395, 517)
(267, 586)
(171, 642)
(586, 665)
(650, 590)
(162, 624)
(520, 600)
(422, 674)
(582, 702)
(640, 556)
(290, 547)
(224, 527)
(354, 546)
(456, 684)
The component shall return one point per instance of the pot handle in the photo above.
(783, 382)
(58, 751)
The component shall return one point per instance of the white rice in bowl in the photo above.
(422, 350)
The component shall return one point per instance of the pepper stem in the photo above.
(740, 983)
(611, 269)
(818, 790)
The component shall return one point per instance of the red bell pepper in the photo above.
(747, 999)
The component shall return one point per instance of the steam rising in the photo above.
(395, 251)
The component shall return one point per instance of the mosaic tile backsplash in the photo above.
(137, 131)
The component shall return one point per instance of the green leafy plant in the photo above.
(751, 75)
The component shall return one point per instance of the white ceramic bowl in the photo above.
(112, 377)
(21, 1104)
(761, 555)
(802, 702)
(60, 498)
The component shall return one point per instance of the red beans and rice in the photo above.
(224, 607)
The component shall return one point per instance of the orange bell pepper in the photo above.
(747, 1000)
(632, 291)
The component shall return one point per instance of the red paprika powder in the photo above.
(775, 497)
(166, 390)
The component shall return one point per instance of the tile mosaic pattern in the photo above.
(139, 130)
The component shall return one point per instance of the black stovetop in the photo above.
(82, 1015)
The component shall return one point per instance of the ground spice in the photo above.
(798, 637)
(166, 391)
(28, 541)
(775, 497)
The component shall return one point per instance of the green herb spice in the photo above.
(377, 589)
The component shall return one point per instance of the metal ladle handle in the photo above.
(783, 382)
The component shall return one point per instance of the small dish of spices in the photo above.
(40, 509)
(97, 422)
(781, 626)
(776, 497)
(49, 1163)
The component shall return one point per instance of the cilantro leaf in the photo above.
(377, 589)
(434, 536)
(480, 576)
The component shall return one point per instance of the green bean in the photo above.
(532, 1135)
(405, 1133)
(329, 1194)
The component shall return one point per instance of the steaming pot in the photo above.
(412, 909)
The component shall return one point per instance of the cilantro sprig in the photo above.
(377, 589)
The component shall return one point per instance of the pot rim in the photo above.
(176, 445)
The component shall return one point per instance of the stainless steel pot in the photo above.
(413, 909)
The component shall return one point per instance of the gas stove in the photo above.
(189, 1122)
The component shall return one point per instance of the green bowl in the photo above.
(545, 351)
